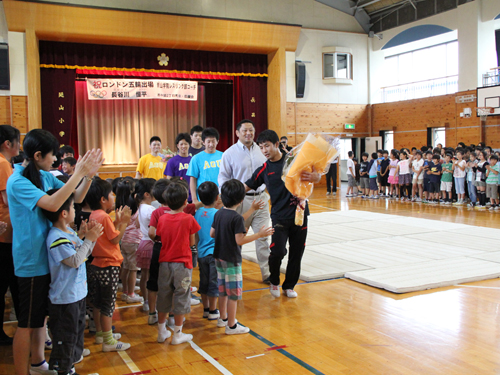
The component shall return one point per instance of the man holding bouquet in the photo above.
(284, 205)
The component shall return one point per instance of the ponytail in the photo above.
(38, 140)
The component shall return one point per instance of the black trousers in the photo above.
(287, 230)
(7, 278)
(67, 325)
(331, 176)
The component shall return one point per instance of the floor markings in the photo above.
(127, 306)
(326, 208)
(254, 356)
(205, 355)
(128, 361)
(477, 286)
(286, 354)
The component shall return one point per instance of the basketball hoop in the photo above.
(484, 112)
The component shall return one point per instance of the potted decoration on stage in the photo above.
(166, 154)
(318, 152)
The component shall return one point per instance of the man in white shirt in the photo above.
(238, 162)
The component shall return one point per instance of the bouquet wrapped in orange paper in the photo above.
(315, 153)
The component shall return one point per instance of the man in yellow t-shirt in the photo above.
(151, 165)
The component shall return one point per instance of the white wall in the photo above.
(308, 13)
(17, 65)
(309, 48)
(475, 26)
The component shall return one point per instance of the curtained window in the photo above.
(122, 128)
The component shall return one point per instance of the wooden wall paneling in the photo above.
(290, 124)
(276, 91)
(20, 113)
(33, 69)
(330, 118)
(128, 28)
(5, 118)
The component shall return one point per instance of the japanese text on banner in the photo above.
(111, 89)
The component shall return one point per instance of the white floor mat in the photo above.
(427, 275)
(396, 253)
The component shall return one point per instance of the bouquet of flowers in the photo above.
(166, 154)
(315, 153)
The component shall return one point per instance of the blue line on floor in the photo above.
(287, 354)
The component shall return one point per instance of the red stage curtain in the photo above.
(67, 59)
(122, 128)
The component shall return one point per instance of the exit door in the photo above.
(372, 144)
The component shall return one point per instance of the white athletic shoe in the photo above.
(39, 371)
(118, 347)
(145, 306)
(180, 338)
(221, 323)
(124, 297)
(100, 339)
(290, 293)
(275, 290)
(237, 331)
(213, 315)
(134, 298)
(162, 336)
(195, 301)
(193, 289)
(153, 319)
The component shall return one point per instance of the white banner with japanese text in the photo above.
(111, 89)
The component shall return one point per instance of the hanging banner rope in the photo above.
(114, 89)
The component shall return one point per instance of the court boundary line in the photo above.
(286, 354)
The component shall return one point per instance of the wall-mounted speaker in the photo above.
(300, 79)
(4, 67)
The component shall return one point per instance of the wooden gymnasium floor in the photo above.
(333, 327)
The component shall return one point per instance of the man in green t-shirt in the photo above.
(447, 179)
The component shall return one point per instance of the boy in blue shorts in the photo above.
(68, 286)
(208, 193)
(228, 230)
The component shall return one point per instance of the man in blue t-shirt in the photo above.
(205, 165)
(208, 289)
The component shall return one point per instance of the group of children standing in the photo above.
(440, 175)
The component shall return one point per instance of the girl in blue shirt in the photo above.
(26, 192)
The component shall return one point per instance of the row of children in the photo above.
(439, 175)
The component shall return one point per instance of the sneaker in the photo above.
(334, 194)
(100, 339)
(39, 371)
(195, 301)
(328, 193)
(135, 298)
(118, 347)
(145, 306)
(290, 293)
(348, 195)
(85, 353)
(448, 203)
(418, 200)
(375, 197)
(275, 290)
(481, 207)
(492, 208)
(214, 315)
(162, 336)
(238, 330)
(193, 289)
(153, 319)
(497, 207)
(124, 297)
(221, 323)
(180, 338)
(205, 313)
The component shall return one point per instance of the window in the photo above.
(345, 147)
(388, 139)
(421, 73)
(438, 136)
(337, 65)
